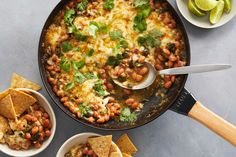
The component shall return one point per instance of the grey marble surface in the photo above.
(171, 135)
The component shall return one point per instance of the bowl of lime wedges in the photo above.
(207, 13)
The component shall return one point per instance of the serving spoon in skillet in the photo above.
(152, 74)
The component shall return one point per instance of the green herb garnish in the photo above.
(69, 16)
(66, 46)
(79, 77)
(78, 65)
(127, 116)
(171, 47)
(115, 35)
(140, 23)
(69, 86)
(108, 4)
(82, 5)
(114, 60)
(85, 110)
(65, 64)
(98, 88)
(152, 39)
(90, 52)
(80, 36)
(90, 76)
(35, 137)
(138, 3)
(122, 44)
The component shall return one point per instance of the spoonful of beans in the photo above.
(147, 74)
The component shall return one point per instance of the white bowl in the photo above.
(77, 139)
(204, 22)
(33, 151)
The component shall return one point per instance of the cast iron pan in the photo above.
(177, 98)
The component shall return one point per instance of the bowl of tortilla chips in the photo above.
(91, 145)
(27, 122)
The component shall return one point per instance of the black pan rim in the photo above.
(67, 112)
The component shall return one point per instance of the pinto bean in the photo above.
(50, 67)
(37, 145)
(135, 105)
(55, 88)
(166, 51)
(46, 123)
(172, 58)
(173, 78)
(47, 133)
(129, 101)
(170, 64)
(34, 130)
(141, 59)
(139, 78)
(158, 67)
(64, 99)
(120, 71)
(168, 84)
(101, 120)
(27, 135)
(127, 91)
(28, 117)
(167, 78)
(143, 70)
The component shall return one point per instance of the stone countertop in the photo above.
(171, 135)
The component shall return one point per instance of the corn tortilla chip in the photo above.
(6, 107)
(126, 145)
(4, 93)
(115, 154)
(101, 145)
(126, 155)
(21, 101)
(18, 81)
(4, 127)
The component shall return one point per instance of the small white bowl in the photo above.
(204, 22)
(77, 139)
(33, 151)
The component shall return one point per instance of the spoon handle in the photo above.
(195, 69)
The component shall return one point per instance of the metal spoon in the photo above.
(173, 71)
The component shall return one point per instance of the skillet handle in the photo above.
(213, 122)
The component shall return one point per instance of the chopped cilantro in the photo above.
(140, 23)
(82, 5)
(79, 77)
(122, 44)
(114, 60)
(171, 47)
(138, 3)
(80, 36)
(69, 86)
(90, 52)
(65, 64)
(127, 116)
(152, 39)
(116, 34)
(85, 110)
(69, 16)
(66, 46)
(98, 88)
(90, 76)
(108, 4)
(78, 65)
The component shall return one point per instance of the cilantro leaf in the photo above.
(98, 88)
(152, 39)
(116, 34)
(140, 23)
(122, 44)
(90, 76)
(85, 110)
(78, 65)
(90, 52)
(114, 60)
(127, 116)
(69, 86)
(69, 16)
(82, 5)
(108, 4)
(65, 64)
(66, 46)
(79, 77)
(80, 36)
(138, 3)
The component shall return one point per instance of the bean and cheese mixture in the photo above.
(91, 42)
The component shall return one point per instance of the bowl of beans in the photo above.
(33, 130)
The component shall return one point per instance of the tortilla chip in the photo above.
(6, 107)
(115, 154)
(101, 145)
(4, 127)
(126, 155)
(21, 101)
(113, 148)
(4, 93)
(18, 81)
(126, 145)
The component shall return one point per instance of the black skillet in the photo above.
(177, 98)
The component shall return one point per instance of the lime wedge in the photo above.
(217, 12)
(206, 5)
(193, 8)
(227, 8)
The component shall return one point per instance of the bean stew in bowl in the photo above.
(86, 44)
